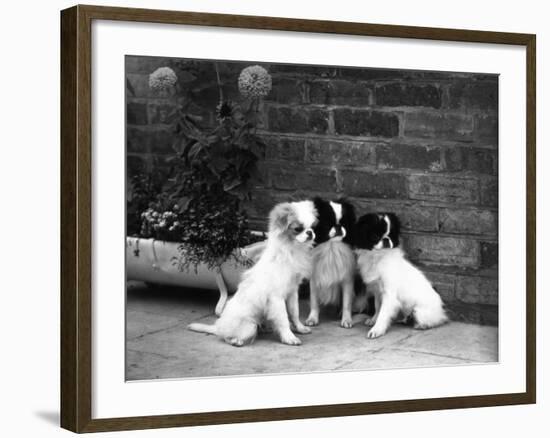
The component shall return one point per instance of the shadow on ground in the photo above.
(158, 345)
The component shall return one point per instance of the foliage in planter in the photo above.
(141, 189)
(199, 204)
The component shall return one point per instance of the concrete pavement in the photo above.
(160, 346)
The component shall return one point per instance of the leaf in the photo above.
(178, 145)
(130, 87)
(183, 203)
(231, 185)
(217, 164)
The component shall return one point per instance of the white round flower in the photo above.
(254, 81)
(162, 79)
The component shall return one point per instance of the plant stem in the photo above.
(220, 89)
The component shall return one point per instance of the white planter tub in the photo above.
(152, 261)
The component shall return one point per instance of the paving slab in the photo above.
(160, 346)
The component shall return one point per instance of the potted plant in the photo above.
(187, 226)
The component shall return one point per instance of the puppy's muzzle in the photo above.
(384, 243)
(337, 231)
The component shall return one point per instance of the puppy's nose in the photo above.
(338, 229)
(309, 234)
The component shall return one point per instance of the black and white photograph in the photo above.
(286, 218)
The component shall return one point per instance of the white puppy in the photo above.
(399, 285)
(269, 290)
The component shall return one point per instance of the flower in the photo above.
(162, 79)
(254, 81)
(224, 110)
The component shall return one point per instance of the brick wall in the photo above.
(421, 144)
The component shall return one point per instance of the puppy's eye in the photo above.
(298, 229)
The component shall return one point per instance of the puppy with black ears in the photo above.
(400, 287)
(268, 291)
(333, 272)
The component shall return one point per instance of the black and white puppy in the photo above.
(399, 286)
(334, 267)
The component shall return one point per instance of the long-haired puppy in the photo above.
(268, 291)
(333, 272)
(399, 287)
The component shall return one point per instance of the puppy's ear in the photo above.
(348, 221)
(281, 216)
(395, 230)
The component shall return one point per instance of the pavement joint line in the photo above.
(163, 356)
(152, 332)
(447, 356)
(406, 338)
(200, 318)
(148, 312)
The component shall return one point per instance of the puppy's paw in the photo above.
(236, 342)
(375, 332)
(346, 323)
(370, 321)
(302, 329)
(312, 320)
(290, 339)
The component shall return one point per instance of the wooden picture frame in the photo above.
(76, 217)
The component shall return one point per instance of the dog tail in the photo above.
(203, 328)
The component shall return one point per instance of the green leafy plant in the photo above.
(199, 204)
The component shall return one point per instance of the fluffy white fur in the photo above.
(269, 290)
(332, 277)
(399, 287)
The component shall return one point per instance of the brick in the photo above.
(489, 192)
(439, 125)
(417, 217)
(486, 129)
(340, 152)
(135, 164)
(139, 84)
(159, 113)
(474, 95)
(373, 185)
(481, 314)
(444, 189)
(306, 70)
(136, 113)
(368, 74)
(149, 141)
(339, 92)
(287, 90)
(406, 94)
(478, 290)
(285, 178)
(365, 123)
(468, 221)
(477, 160)
(297, 120)
(412, 215)
(260, 205)
(229, 70)
(444, 284)
(283, 148)
(398, 156)
(318, 121)
(145, 64)
(445, 251)
(489, 255)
